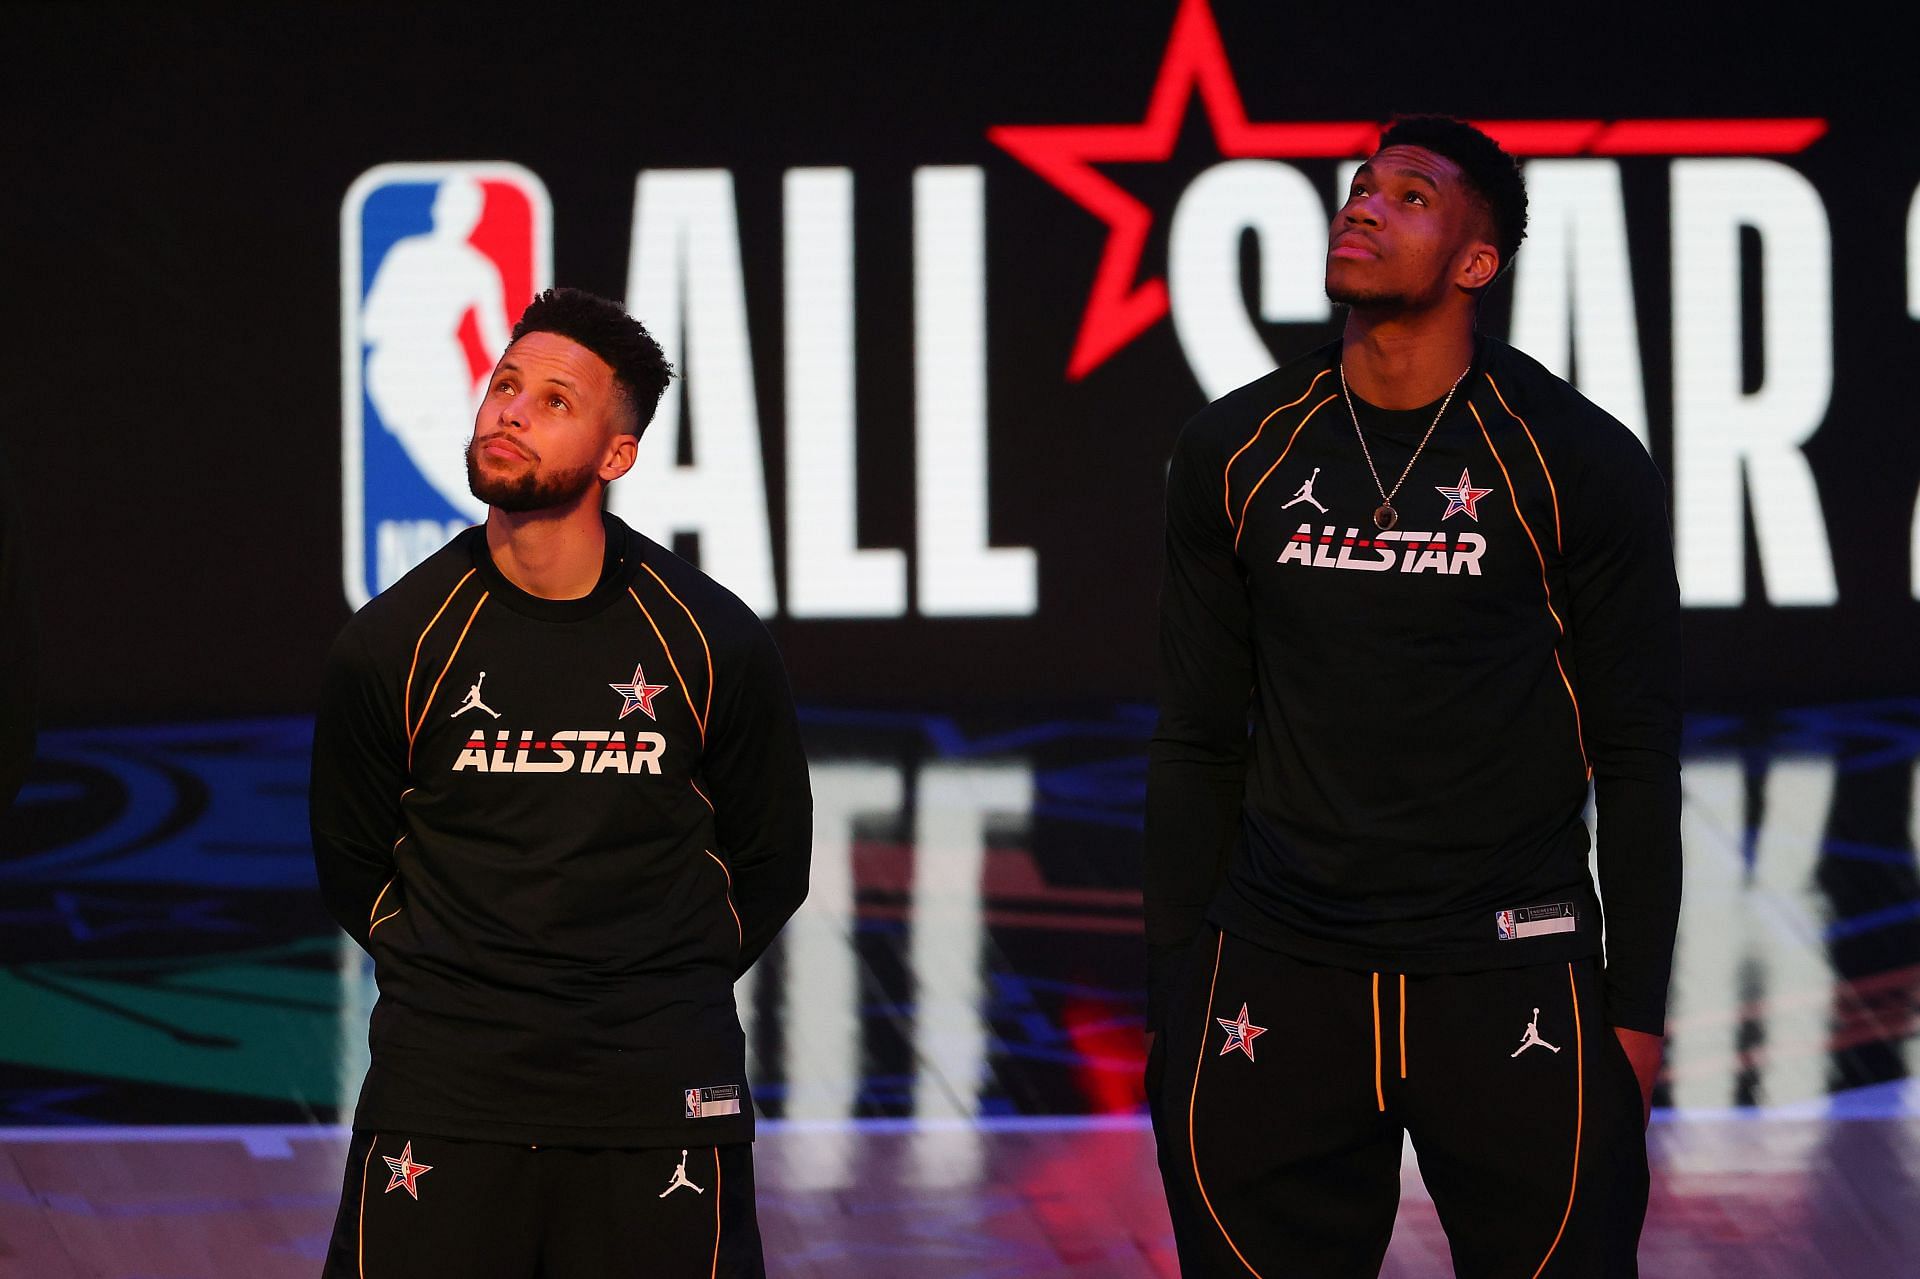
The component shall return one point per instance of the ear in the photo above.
(618, 459)
(1479, 264)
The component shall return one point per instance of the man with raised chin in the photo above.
(1371, 917)
(558, 795)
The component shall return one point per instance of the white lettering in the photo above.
(1573, 285)
(827, 576)
(647, 750)
(1299, 547)
(1726, 441)
(612, 758)
(684, 282)
(1277, 203)
(1467, 550)
(959, 574)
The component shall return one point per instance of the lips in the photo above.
(1353, 244)
(500, 446)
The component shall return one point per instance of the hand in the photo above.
(1643, 1052)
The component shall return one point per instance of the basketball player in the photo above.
(558, 794)
(1372, 916)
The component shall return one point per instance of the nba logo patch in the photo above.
(1503, 924)
(436, 263)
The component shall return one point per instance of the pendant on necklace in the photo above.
(1385, 517)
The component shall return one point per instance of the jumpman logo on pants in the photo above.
(680, 1179)
(1532, 1038)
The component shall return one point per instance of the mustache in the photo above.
(481, 441)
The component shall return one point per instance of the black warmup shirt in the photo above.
(561, 828)
(1428, 704)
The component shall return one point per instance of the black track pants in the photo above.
(484, 1210)
(1280, 1091)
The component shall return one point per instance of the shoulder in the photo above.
(1230, 421)
(726, 624)
(1564, 424)
(388, 626)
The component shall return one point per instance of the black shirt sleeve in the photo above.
(763, 804)
(1624, 624)
(353, 798)
(1197, 764)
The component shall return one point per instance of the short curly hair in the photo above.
(1492, 175)
(640, 367)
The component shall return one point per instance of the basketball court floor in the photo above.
(946, 1042)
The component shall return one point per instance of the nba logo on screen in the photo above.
(436, 263)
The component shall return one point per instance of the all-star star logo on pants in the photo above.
(406, 1173)
(1240, 1033)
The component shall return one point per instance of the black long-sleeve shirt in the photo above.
(561, 828)
(1428, 704)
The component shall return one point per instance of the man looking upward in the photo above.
(557, 895)
(1389, 877)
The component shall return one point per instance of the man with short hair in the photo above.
(1372, 917)
(559, 875)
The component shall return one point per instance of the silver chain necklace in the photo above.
(1384, 516)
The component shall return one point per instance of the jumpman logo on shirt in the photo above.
(680, 1179)
(1532, 1038)
(473, 702)
(1306, 494)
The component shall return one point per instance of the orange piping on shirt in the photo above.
(707, 714)
(714, 1272)
(692, 710)
(406, 701)
(1276, 466)
(740, 934)
(1579, 1119)
(1579, 729)
(428, 704)
(1552, 491)
(1226, 474)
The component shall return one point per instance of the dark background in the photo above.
(172, 234)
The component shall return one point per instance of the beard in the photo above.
(530, 490)
(1348, 295)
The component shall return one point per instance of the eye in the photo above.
(555, 402)
(503, 387)
(1414, 197)
(1359, 189)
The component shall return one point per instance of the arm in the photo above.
(1625, 620)
(756, 775)
(353, 799)
(1197, 764)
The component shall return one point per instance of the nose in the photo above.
(1361, 212)
(513, 412)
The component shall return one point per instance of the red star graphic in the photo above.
(1463, 497)
(639, 694)
(1240, 1034)
(406, 1173)
(1120, 309)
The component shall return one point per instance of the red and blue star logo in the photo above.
(638, 695)
(1240, 1033)
(1462, 498)
(406, 1173)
